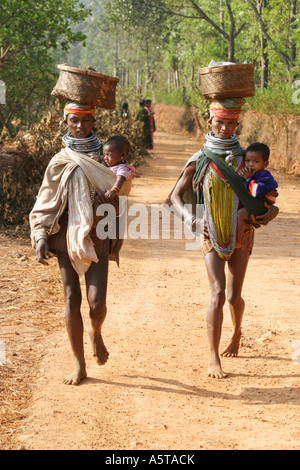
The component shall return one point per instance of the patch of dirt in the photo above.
(154, 393)
(177, 120)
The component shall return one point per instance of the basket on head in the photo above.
(86, 86)
(227, 81)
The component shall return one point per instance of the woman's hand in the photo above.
(100, 198)
(42, 251)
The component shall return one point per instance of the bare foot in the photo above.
(99, 349)
(215, 369)
(216, 372)
(78, 374)
(233, 347)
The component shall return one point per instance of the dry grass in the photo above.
(31, 308)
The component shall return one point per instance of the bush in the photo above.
(277, 99)
(23, 161)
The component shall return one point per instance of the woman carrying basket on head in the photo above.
(63, 222)
(210, 176)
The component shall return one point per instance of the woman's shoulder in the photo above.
(189, 169)
(193, 160)
(59, 159)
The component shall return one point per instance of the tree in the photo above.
(233, 31)
(193, 9)
(31, 31)
(161, 23)
(146, 21)
(261, 5)
(284, 39)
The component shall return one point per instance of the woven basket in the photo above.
(86, 86)
(227, 81)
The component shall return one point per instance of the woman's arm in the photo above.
(42, 251)
(181, 187)
(265, 218)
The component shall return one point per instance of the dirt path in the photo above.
(154, 393)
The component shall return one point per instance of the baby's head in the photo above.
(115, 150)
(257, 157)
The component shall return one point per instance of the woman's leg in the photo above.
(96, 287)
(215, 267)
(237, 266)
(74, 323)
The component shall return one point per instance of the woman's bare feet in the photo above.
(215, 369)
(233, 346)
(99, 350)
(216, 372)
(78, 374)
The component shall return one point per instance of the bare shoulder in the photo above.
(188, 172)
(185, 179)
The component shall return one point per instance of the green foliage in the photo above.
(194, 32)
(154, 46)
(174, 98)
(33, 31)
(278, 99)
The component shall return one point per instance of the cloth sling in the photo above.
(66, 182)
(253, 205)
(218, 186)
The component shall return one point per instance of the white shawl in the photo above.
(65, 181)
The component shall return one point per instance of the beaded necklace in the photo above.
(88, 144)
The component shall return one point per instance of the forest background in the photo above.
(154, 46)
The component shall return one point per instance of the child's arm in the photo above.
(264, 184)
(114, 191)
(246, 173)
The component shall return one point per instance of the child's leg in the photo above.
(242, 217)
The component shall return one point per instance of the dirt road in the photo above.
(154, 393)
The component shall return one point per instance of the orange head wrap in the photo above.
(219, 111)
(227, 109)
(77, 108)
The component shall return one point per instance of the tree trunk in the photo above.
(231, 48)
(283, 56)
(176, 78)
(192, 74)
(264, 59)
(116, 64)
(221, 9)
(220, 29)
(264, 63)
(293, 28)
(148, 73)
(231, 34)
